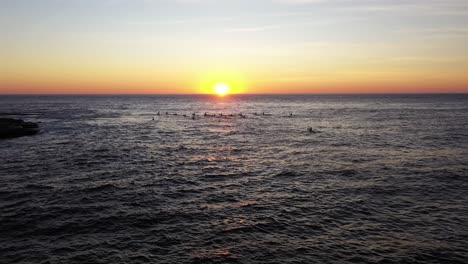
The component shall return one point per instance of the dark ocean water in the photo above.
(384, 180)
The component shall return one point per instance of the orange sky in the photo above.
(186, 47)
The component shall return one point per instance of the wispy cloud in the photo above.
(419, 8)
(266, 27)
(436, 32)
(218, 19)
(256, 28)
(299, 1)
(323, 22)
(181, 21)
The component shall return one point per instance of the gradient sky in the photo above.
(256, 46)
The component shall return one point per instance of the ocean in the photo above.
(380, 179)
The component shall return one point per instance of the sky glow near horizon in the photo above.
(256, 46)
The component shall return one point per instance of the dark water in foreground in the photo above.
(385, 180)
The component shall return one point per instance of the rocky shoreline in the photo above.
(11, 128)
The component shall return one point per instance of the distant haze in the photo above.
(255, 46)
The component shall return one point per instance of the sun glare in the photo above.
(221, 89)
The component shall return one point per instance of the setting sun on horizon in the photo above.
(221, 89)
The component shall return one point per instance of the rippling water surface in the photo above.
(384, 180)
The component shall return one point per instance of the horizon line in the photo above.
(235, 94)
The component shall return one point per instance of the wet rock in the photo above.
(10, 128)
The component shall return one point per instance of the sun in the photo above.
(221, 89)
